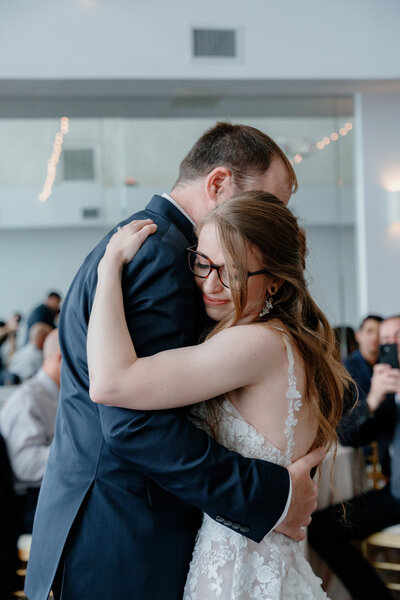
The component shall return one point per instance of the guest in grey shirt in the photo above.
(27, 360)
(27, 423)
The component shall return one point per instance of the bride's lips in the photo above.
(213, 301)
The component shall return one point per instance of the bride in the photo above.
(268, 366)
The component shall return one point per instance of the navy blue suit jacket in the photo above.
(123, 492)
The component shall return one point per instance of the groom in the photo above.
(123, 493)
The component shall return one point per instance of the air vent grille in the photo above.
(90, 213)
(78, 164)
(217, 43)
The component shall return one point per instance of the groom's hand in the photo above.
(304, 495)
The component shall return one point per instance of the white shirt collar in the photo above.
(179, 207)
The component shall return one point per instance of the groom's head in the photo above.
(229, 159)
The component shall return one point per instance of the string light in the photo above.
(54, 159)
(325, 141)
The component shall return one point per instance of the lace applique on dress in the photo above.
(294, 403)
(225, 564)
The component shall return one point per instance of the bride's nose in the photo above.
(212, 284)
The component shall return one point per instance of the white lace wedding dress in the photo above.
(225, 564)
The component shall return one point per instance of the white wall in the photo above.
(33, 262)
(150, 149)
(36, 261)
(331, 269)
(111, 39)
(378, 170)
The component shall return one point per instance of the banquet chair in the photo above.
(375, 478)
(24, 545)
(382, 549)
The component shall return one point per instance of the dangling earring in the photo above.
(268, 306)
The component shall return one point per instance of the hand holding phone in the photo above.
(386, 376)
(388, 355)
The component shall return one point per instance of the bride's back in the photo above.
(265, 404)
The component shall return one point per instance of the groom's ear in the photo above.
(219, 185)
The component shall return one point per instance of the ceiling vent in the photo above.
(78, 164)
(214, 43)
(90, 213)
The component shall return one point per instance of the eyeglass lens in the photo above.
(202, 267)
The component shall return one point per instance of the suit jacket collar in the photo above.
(165, 208)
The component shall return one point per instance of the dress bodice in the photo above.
(225, 564)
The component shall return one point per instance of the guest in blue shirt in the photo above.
(359, 364)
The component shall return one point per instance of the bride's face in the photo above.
(218, 298)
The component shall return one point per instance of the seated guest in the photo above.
(46, 312)
(27, 423)
(330, 534)
(8, 337)
(360, 364)
(9, 328)
(27, 360)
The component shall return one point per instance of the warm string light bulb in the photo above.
(325, 141)
(54, 159)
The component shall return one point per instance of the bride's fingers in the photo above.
(132, 227)
(130, 244)
(125, 234)
(143, 233)
(135, 226)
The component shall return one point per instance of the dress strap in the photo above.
(294, 402)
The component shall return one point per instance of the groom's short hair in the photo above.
(246, 151)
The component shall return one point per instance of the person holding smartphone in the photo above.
(386, 374)
(331, 535)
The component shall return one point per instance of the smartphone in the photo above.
(388, 355)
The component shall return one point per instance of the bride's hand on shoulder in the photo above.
(126, 242)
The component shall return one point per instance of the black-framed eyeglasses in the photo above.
(201, 266)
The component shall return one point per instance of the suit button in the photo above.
(244, 529)
(219, 519)
(228, 523)
(236, 526)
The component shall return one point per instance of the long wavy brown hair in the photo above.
(260, 222)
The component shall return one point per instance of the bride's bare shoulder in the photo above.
(264, 339)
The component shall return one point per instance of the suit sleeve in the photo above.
(247, 495)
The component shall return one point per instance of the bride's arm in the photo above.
(229, 360)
